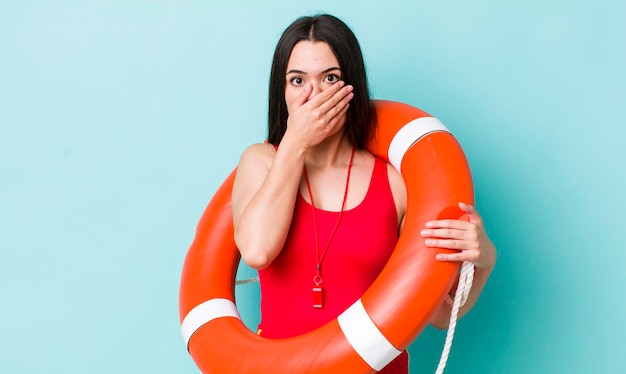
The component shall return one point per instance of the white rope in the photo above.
(246, 281)
(460, 297)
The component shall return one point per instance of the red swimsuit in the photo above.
(365, 238)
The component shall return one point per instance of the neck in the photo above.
(332, 151)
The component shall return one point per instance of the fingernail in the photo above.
(430, 242)
(429, 224)
(424, 232)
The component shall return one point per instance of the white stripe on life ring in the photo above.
(408, 135)
(205, 312)
(365, 337)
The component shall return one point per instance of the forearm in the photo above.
(263, 224)
(441, 319)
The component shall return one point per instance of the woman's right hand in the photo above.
(315, 117)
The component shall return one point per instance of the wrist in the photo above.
(293, 146)
(486, 266)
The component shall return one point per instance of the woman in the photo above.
(316, 213)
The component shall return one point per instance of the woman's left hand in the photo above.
(468, 238)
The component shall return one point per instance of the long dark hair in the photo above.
(361, 116)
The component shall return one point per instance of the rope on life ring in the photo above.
(391, 313)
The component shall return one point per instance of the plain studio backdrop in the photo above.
(119, 120)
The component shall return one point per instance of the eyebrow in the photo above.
(296, 71)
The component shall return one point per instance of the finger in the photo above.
(338, 100)
(471, 212)
(326, 94)
(448, 244)
(336, 112)
(337, 118)
(455, 244)
(448, 224)
(444, 233)
(452, 257)
(304, 95)
(332, 97)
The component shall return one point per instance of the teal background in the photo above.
(119, 120)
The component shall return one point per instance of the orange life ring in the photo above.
(391, 313)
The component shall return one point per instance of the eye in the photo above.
(332, 78)
(296, 81)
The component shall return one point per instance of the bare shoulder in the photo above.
(258, 154)
(253, 167)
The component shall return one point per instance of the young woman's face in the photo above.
(313, 64)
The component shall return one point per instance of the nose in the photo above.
(315, 89)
